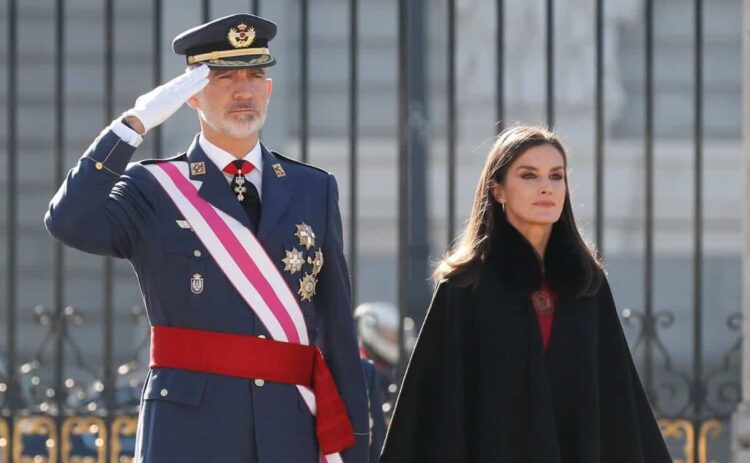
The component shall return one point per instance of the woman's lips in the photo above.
(544, 203)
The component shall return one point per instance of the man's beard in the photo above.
(238, 127)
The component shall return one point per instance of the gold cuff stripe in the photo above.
(214, 55)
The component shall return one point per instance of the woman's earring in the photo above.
(502, 204)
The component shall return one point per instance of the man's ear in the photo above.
(193, 102)
(269, 87)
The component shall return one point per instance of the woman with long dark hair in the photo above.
(521, 358)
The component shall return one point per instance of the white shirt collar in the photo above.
(221, 158)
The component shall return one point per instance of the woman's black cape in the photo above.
(481, 388)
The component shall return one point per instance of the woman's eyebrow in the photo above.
(534, 168)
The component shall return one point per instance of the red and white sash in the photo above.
(243, 260)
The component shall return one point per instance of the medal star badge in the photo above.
(316, 263)
(241, 36)
(307, 287)
(305, 234)
(293, 261)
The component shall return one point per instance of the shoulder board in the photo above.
(178, 157)
(299, 163)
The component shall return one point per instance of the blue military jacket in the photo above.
(109, 207)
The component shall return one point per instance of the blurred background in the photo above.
(401, 99)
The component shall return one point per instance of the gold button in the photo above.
(197, 253)
(99, 166)
(261, 336)
(259, 382)
(164, 392)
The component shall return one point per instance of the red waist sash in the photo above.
(258, 358)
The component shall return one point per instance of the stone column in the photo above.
(741, 418)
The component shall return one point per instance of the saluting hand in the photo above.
(156, 106)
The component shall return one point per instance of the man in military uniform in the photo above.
(238, 252)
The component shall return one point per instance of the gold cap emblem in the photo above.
(241, 36)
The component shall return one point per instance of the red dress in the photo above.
(545, 303)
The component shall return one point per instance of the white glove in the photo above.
(159, 104)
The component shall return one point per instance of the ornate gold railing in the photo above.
(79, 426)
(122, 426)
(4, 441)
(34, 426)
(44, 427)
(683, 432)
(678, 432)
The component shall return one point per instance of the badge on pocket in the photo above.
(196, 283)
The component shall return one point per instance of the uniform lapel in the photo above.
(276, 195)
(214, 186)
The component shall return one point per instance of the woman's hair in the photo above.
(463, 261)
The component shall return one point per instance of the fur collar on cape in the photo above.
(565, 266)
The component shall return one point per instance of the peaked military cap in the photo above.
(232, 42)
